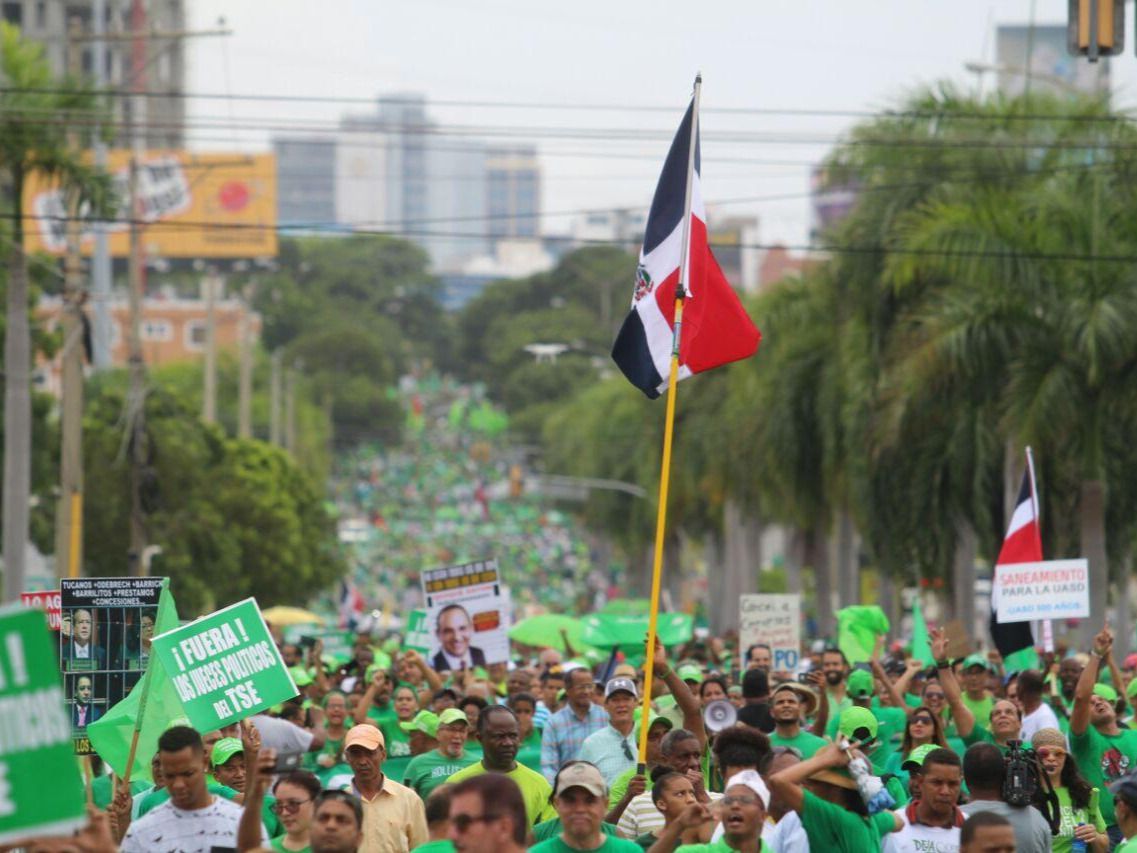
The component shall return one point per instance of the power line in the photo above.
(339, 230)
(671, 109)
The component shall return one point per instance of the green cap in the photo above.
(1103, 690)
(652, 719)
(976, 660)
(1131, 690)
(425, 722)
(451, 716)
(690, 672)
(225, 749)
(854, 719)
(860, 684)
(301, 676)
(916, 757)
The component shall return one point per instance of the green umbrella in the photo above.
(627, 607)
(608, 631)
(545, 630)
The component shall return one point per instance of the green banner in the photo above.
(417, 636)
(225, 666)
(41, 792)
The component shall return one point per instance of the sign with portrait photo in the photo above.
(467, 615)
(105, 629)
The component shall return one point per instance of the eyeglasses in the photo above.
(927, 721)
(1051, 753)
(281, 806)
(627, 750)
(727, 802)
(462, 822)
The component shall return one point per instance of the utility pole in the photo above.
(209, 284)
(290, 410)
(137, 440)
(101, 259)
(245, 374)
(69, 510)
(274, 392)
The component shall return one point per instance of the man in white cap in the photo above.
(581, 801)
(394, 820)
(613, 749)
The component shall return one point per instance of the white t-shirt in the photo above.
(175, 830)
(917, 838)
(1042, 717)
(281, 735)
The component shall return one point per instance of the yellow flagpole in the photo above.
(668, 434)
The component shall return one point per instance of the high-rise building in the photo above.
(47, 22)
(513, 192)
(399, 171)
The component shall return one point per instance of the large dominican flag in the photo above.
(1022, 544)
(716, 329)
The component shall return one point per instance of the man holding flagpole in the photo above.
(676, 268)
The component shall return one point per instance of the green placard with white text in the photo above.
(41, 792)
(225, 666)
(417, 637)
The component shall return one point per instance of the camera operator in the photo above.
(984, 770)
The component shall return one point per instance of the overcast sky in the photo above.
(823, 55)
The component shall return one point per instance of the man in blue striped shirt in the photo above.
(567, 728)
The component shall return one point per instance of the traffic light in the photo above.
(1096, 28)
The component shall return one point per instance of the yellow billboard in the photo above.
(216, 205)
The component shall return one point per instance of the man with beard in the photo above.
(431, 769)
(933, 821)
(1103, 750)
(791, 702)
(835, 668)
(500, 734)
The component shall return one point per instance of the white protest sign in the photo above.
(1052, 589)
(774, 620)
(467, 615)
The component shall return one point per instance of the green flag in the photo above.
(111, 735)
(857, 630)
(1022, 659)
(921, 648)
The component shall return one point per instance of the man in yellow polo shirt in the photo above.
(394, 820)
(500, 735)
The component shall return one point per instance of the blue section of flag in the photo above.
(667, 205)
(632, 354)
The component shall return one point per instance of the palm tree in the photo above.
(34, 112)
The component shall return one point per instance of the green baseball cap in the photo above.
(652, 719)
(1131, 690)
(424, 721)
(451, 716)
(976, 659)
(690, 672)
(860, 683)
(916, 757)
(225, 749)
(301, 676)
(1103, 690)
(856, 720)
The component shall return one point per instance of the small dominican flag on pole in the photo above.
(716, 328)
(1022, 544)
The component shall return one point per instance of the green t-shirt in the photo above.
(1129, 846)
(804, 742)
(719, 846)
(619, 786)
(1063, 842)
(1104, 760)
(831, 828)
(102, 790)
(981, 708)
(277, 844)
(535, 789)
(381, 716)
(444, 845)
(334, 748)
(398, 744)
(549, 828)
(610, 844)
(529, 753)
(427, 771)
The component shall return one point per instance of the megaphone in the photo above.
(719, 715)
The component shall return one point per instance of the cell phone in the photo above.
(307, 642)
(286, 762)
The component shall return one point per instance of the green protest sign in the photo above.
(418, 636)
(225, 666)
(35, 734)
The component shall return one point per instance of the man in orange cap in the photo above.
(394, 820)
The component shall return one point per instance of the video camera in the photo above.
(1025, 783)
